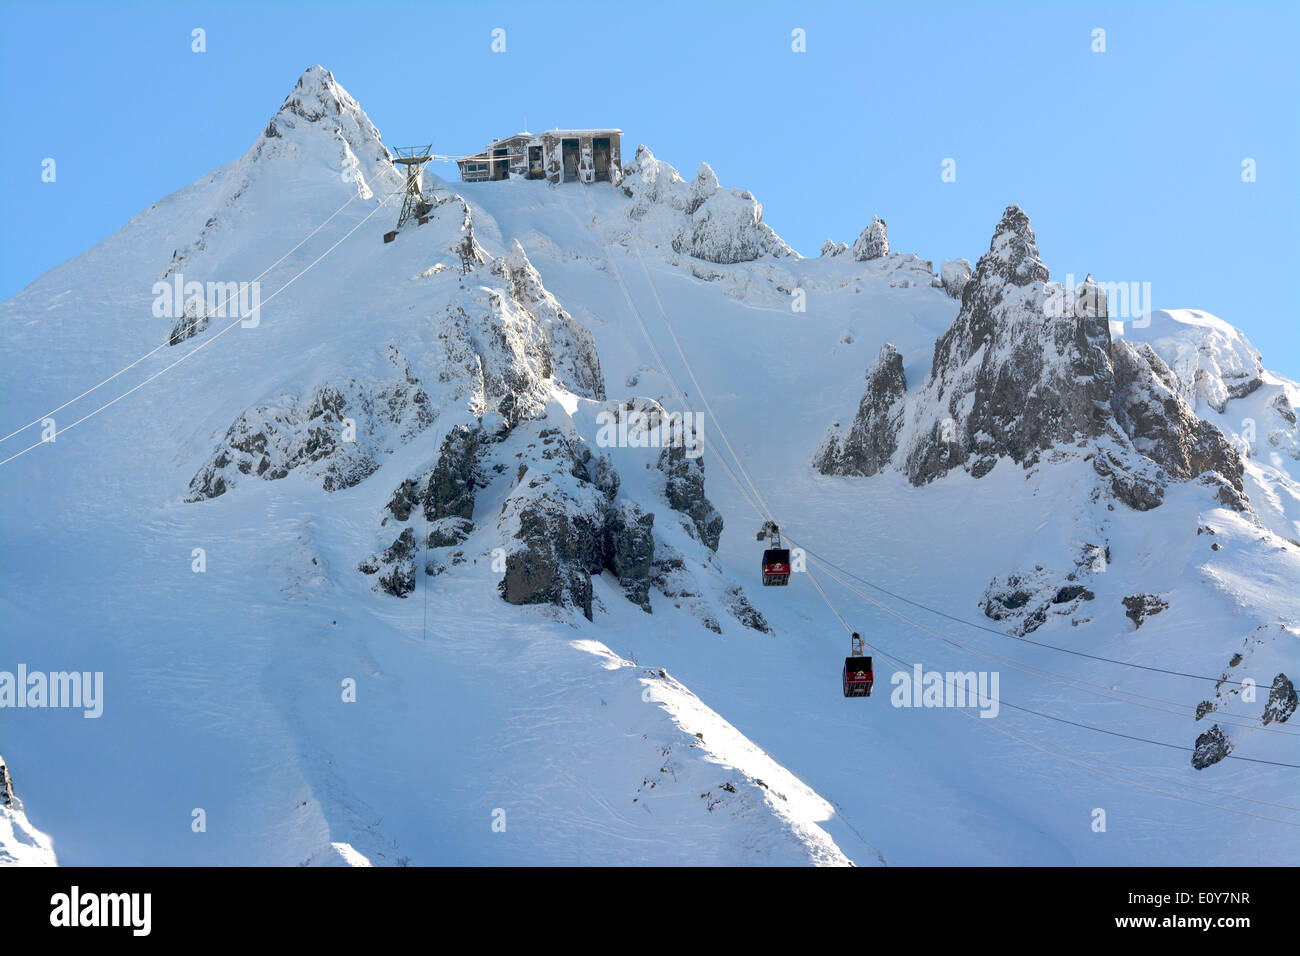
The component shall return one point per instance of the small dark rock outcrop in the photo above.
(1139, 607)
(6, 785)
(1211, 747)
(1026, 600)
(397, 565)
(1281, 700)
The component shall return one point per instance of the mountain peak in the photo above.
(1013, 251)
(317, 95)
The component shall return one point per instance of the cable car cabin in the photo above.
(776, 567)
(857, 677)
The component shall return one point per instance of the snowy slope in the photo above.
(488, 732)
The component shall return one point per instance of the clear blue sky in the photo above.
(1128, 162)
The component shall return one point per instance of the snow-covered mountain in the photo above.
(367, 581)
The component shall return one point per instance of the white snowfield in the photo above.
(487, 733)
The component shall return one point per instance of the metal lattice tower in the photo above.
(414, 202)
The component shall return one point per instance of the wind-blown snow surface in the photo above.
(633, 737)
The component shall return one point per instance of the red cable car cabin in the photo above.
(776, 567)
(857, 677)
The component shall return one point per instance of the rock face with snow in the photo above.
(1211, 747)
(684, 489)
(504, 343)
(873, 243)
(953, 276)
(1008, 380)
(317, 109)
(703, 219)
(872, 439)
(21, 844)
(337, 434)
(571, 351)
(1282, 700)
(1164, 428)
(1028, 367)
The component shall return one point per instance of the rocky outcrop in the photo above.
(702, 219)
(1281, 701)
(456, 476)
(1213, 363)
(630, 550)
(1008, 378)
(21, 844)
(1211, 747)
(554, 522)
(872, 439)
(684, 490)
(1161, 425)
(505, 342)
(1139, 607)
(954, 275)
(337, 435)
(1029, 367)
(832, 248)
(573, 362)
(1026, 599)
(873, 243)
(193, 321)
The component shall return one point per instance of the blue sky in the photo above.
(1129, 162)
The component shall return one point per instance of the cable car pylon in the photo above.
(415, 204)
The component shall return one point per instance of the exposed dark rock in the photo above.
(873, 437)
(1281, 700)
(1026, 599)
(1013, 376)
(685, 492)
(1205, 707)
(1137, 482)
(560, 550)
(399, 580)
(1211, 747)
(404, 499)
(193, 320)
(630, 550)
(456, 477)
(1282, 405)
(1163, 427)
(6, 785)
(1139, 607)
(744, 612)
